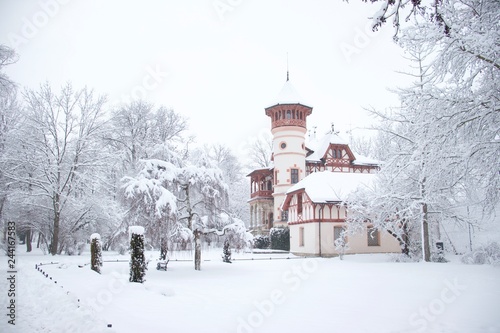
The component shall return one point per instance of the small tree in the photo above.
(95, 253)
(138, 264)
(341, 244)
(226, 252)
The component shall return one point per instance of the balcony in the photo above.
(262, 194)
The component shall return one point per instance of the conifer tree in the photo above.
(138, 264)
(95, 253)
(226, 251)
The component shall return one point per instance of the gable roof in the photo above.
(319, 148)
(327, 186)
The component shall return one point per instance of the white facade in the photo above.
(289, 163)
(317, 239)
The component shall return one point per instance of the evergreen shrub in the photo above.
(280, 239)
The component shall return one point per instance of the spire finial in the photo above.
(287, 76)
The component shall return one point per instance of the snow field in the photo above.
(362, 293)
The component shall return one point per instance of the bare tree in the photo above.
(261, 152)
(52, 157)
(9, 117)
(7, 57)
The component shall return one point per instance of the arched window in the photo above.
(300, 115)
(334, 153)
(288, 114)
(276, 116)
(339, 153)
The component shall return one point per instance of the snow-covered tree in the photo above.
(7, 57)
(140, 131)
(238, 190)
(445, 136)
(186, 201)
(51, 159)
(154, 205)
(9, 117)
(138, 263)
(202, 193)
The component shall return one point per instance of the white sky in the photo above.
(220, 69)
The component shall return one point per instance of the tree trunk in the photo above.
(163, 248)
(426, 249)
(55, 236)
(28, 240)
(197, 250)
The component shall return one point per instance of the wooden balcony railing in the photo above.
(262, 194)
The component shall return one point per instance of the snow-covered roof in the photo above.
(320, 146)
(327, 186)
(364, 160)
(260, 170)
(288, 95)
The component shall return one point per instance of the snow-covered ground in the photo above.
(362, 293)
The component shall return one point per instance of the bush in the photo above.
(122, 249)
(75, 249)
(485, 254)
(261, 242)
(280, 239)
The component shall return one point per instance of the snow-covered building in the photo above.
(308, 183)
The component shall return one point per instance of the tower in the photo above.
(288, 126)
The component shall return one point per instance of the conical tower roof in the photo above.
(288, 95)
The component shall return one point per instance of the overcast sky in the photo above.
(218, 62)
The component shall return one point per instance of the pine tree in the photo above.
(95, 253)
(138, 264)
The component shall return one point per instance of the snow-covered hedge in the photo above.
(261, 242)
(280, 238)
(485, 254)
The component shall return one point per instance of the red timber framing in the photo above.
(338, 158)
(305, 211)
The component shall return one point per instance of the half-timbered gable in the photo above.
(332, 153)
